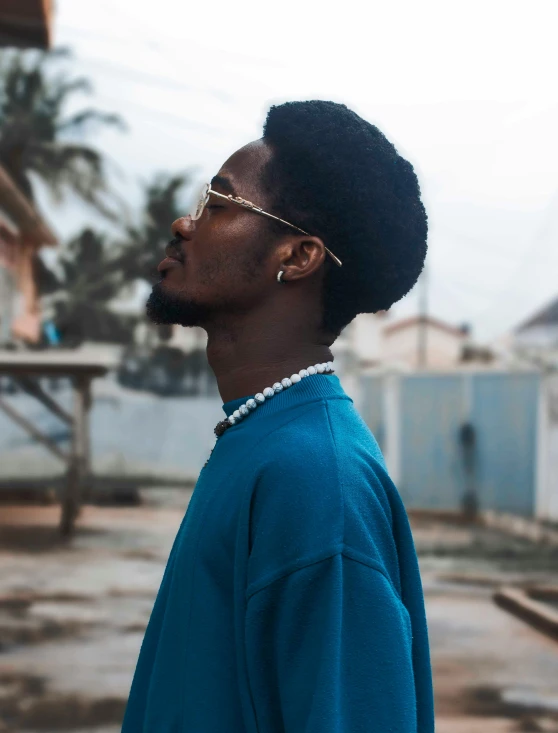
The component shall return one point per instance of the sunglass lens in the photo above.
(201, 203)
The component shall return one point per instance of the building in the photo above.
(366, 335)
(23, 24)
(26, 23)
(22, 234)
(423, 342)
(409, 343)
(536, 339)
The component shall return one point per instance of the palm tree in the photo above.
(79, 300)
(94, 270)
(35, 135)
(141, 251)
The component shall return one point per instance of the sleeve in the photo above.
(329, 650)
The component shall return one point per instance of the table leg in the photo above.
(78, 467)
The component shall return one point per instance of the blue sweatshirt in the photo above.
(291, 601)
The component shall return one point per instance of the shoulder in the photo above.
(313, 497)
(298, 475)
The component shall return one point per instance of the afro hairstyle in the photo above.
(338, 177)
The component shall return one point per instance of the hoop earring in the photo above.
(279, 276)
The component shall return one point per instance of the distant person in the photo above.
(292, 600)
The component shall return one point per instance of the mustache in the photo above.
(174, 248)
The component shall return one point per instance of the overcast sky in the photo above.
(466, 91)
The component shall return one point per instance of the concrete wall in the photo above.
(132, 433)
(416, 419)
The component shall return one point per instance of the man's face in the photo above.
(218, 263)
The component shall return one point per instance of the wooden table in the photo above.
(24, 367)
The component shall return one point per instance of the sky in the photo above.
(466, 91)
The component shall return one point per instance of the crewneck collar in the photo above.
(308, 389)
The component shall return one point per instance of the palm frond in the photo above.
(32, 126)
(81, 120)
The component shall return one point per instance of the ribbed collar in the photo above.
(308, 389)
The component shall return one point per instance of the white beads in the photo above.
(325, 368)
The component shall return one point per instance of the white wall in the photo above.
(443, 348)
(368, 336)
(538, 337)
(546, 501)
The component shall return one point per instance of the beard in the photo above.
(169, 308)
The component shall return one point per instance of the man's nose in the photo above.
(183, 226)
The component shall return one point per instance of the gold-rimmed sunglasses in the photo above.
(208, 191)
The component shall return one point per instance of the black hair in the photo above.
(338, 177)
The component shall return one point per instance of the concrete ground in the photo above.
(492, 672)
(72, 618)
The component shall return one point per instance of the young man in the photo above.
(292, 600)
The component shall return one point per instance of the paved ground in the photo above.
(72, 619)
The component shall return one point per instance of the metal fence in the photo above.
(459, 440)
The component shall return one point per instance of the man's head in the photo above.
(330, 173)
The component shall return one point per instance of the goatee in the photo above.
(167, 308)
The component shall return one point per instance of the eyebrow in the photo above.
(223, 183)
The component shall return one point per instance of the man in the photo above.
(292, 600)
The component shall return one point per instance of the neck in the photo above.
(248, 357)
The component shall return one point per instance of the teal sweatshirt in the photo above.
(291, 601)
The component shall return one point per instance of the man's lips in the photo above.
(167, 263)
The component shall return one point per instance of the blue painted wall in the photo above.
(433, 470)
(431, 413)
(505, 411)
(372, 407)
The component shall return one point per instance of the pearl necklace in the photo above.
(258, 399)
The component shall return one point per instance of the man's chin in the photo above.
(163, 307)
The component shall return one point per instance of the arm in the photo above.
(329, 650)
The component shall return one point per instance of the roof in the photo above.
(31, 227)
(26, 23)
(416, 320)
(548, 316)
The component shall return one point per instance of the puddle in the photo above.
(521, 703)
(75, 617)
(548, 597)
(28, 704)
(36, 539)
(529, 698)
(35, 618)
(68, 613)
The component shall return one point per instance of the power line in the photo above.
(528, 257)
(158, 80)
(174, 119)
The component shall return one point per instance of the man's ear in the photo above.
(303, 256)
